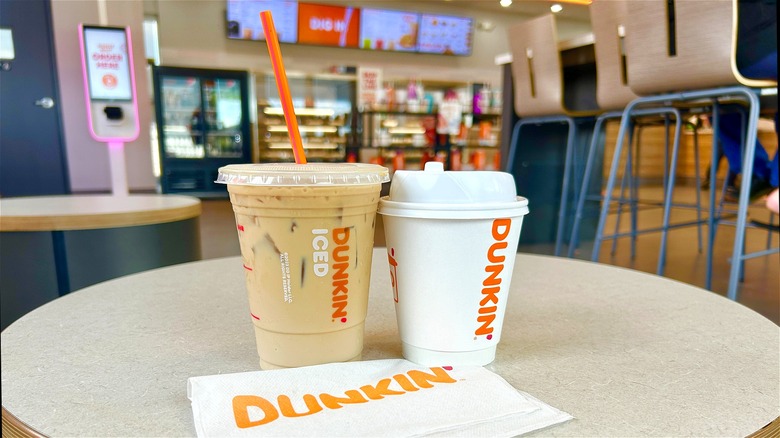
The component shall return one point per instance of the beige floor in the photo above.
(760, 290)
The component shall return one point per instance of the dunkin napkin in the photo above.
(373, 398)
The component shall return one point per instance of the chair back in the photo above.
(536, 67)
(676, 45)
(608, 20)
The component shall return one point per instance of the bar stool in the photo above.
(682, 50)
(540, 97)
(613, 94)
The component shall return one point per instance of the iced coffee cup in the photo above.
(306, 233)
(451, 243)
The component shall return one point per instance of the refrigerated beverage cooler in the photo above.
(202, 124)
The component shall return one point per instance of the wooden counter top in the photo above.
(82, 212)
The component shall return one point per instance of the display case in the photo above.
(400, 139)
(324, 106)
(202, 119)
(444, 123)
(478, 144)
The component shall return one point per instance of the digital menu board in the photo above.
(108, 68)
(445, 35)
(388, 30)
(352, 27)
(244, 19)
(327, 25)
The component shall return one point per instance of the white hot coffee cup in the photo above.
(451, 244)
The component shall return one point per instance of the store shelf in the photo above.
(399, 110)
(305, 128)
(319, 112)
(323, 108)
(307, 146)
(382, 132)
(322, 133)
(476, 145)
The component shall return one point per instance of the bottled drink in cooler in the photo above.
(478, 159)
(398, 160)
(455, 160)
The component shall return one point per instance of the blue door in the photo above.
(32, 153)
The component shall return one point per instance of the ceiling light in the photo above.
(556, 8)
(506, 3)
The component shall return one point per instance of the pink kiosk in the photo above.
(109, 90)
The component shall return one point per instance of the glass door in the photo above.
(223, 118)
(203, 123)
(182, 119)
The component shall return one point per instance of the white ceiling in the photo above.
(519, 7)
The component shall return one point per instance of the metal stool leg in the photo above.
(742, 260)
(567, 169)
(743, 126)
(666, 150)
(713, 219)
(744, 195)
(624, 122)
(698, 185)
(633, 189)
(510, 159)
(594, 148)
(622, 199)
(668, 198)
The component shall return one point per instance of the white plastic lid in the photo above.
(434, 193)
(291, 174)
(434, 185)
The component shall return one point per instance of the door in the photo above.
(202, 125)
(32, 154)
(223, 116)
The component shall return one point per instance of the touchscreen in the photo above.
(108, 68)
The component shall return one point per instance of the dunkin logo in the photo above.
(340, 257)
(393, 272)
(399, 384)
(491, 286)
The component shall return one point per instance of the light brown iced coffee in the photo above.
(306, 234)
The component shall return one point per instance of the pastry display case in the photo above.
(324, 106)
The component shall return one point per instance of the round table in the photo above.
(74, 241)
(626, 353)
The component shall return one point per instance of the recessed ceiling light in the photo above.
(556, 8)
(505, 3)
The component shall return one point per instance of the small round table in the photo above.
(626, 353)
(51, 245)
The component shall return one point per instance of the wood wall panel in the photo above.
(652, 154)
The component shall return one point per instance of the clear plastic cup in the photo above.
(306, 233)
(451, 242)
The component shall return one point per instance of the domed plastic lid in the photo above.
(434, 185)
(291, 174)
(436, 193)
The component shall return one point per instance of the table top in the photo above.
(626, 353)
(80, 212)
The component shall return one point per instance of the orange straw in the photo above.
(284, 88)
